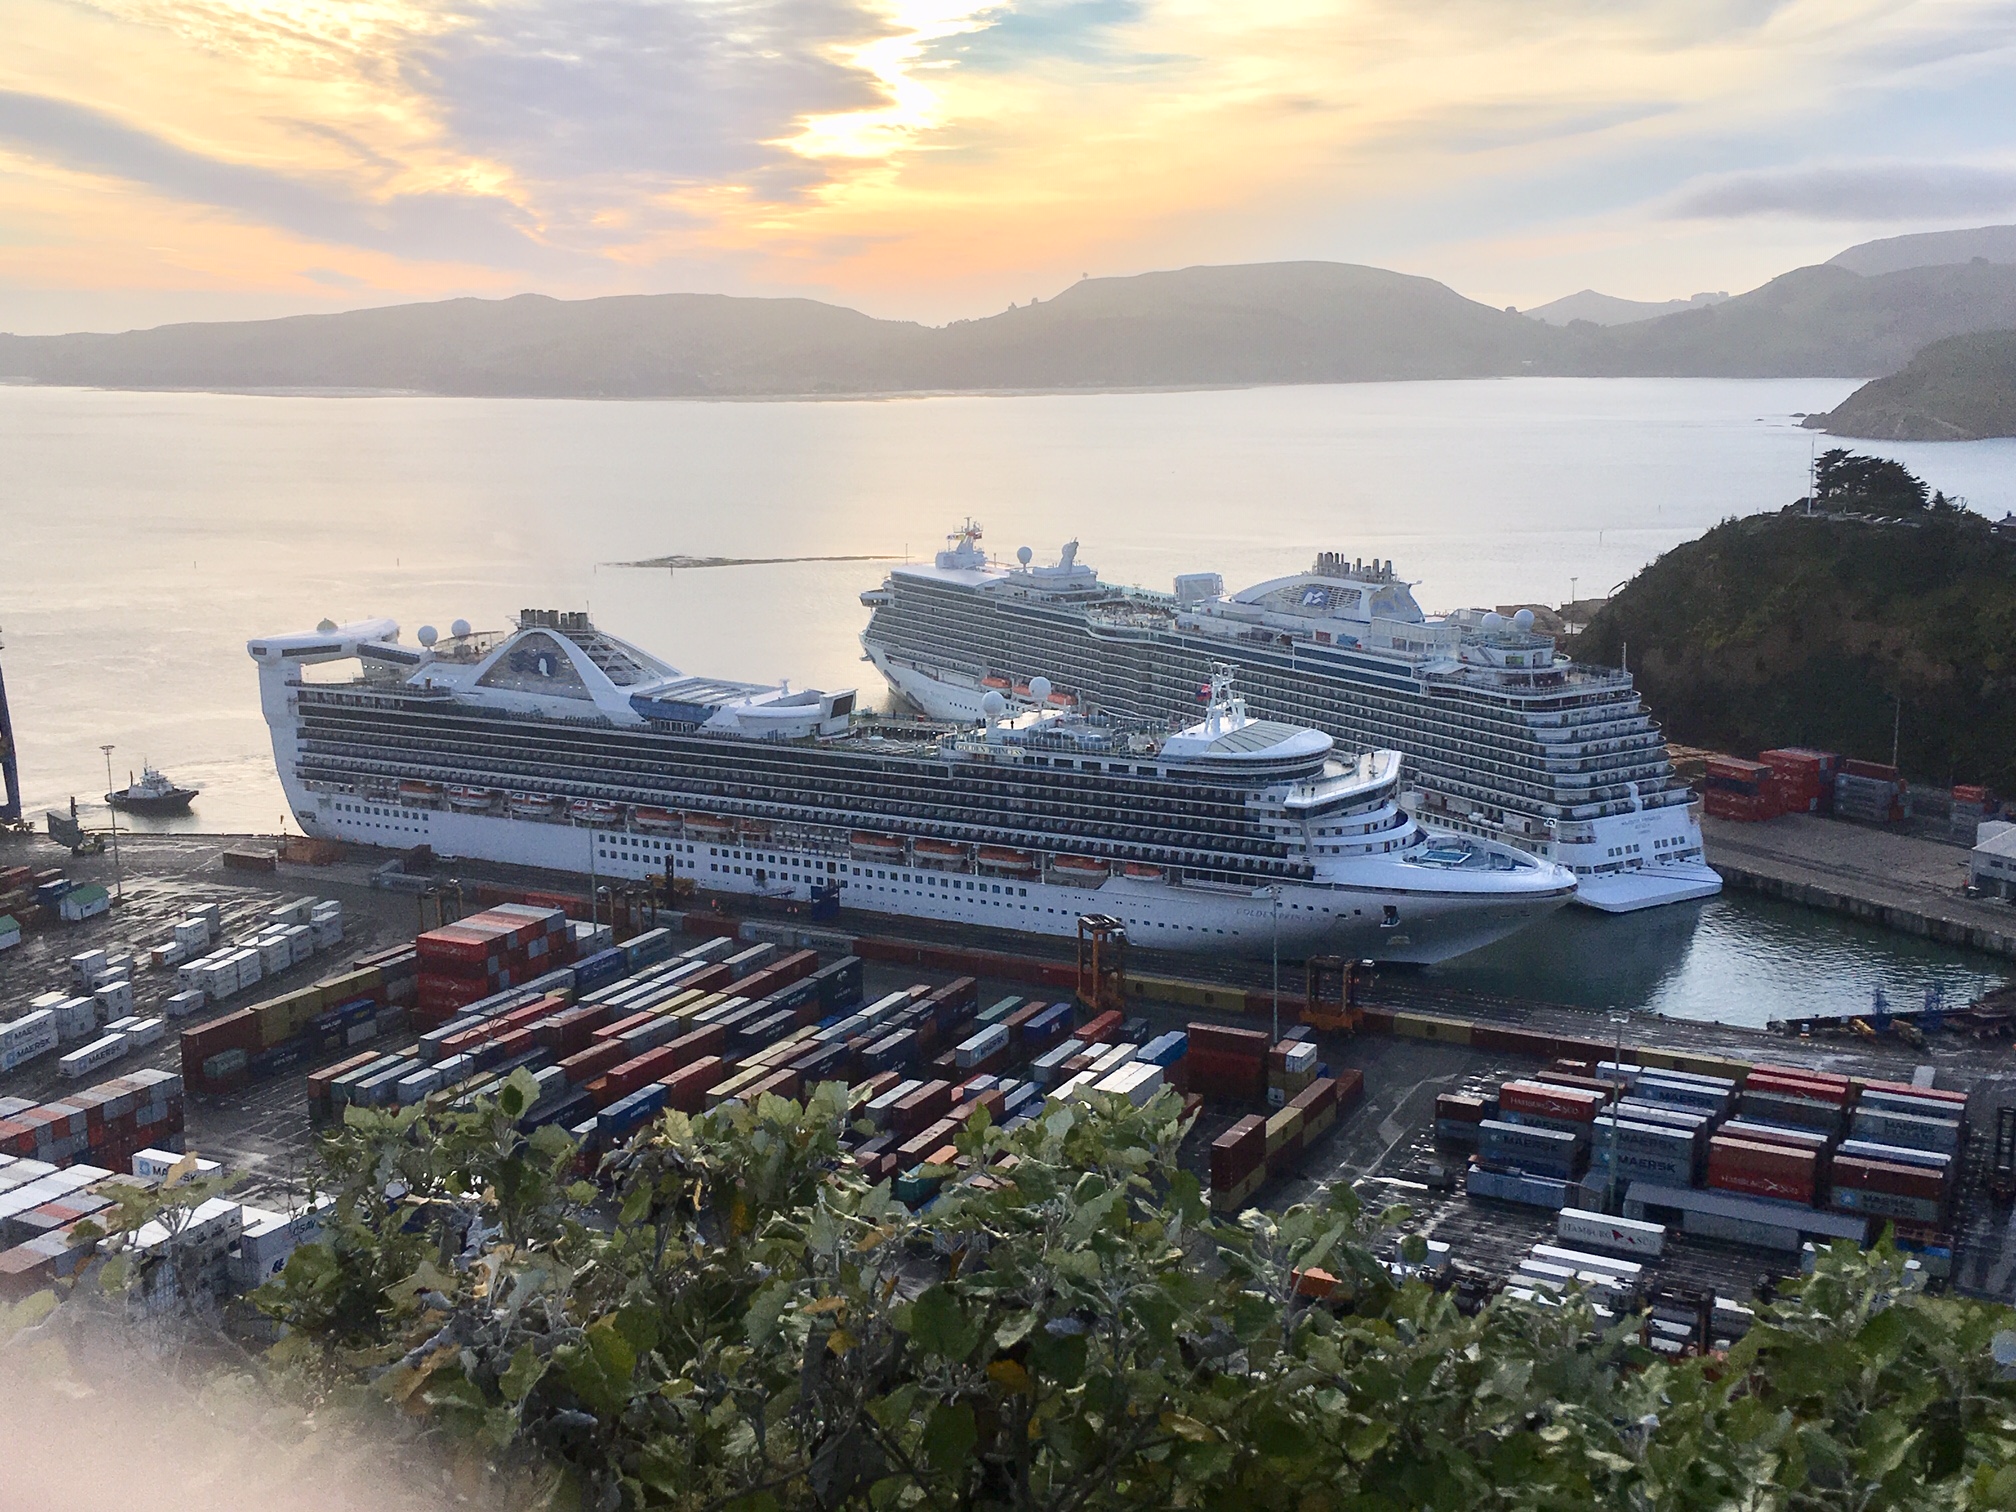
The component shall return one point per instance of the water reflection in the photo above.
(1736, 959)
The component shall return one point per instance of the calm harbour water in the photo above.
(145, 537)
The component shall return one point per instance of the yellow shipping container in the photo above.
(1283, 1127)
(283, 1017)
(748, 1076)
(1427, 1027)
(367, 981)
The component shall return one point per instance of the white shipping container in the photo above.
(250, 967)
(973, 1051)
(182, 1004)
(86, 965)
(167, 957)
(88, 1058)
(328, 932)
(1138, 1081)
(192, 933)
(300, 943)
(275, 955)
(1113, 1060)
(27, 1038)
(116, 998)
(76, 1019)
(142, 1032)
(153, 1164)
(1632, 1236)
(1301, 1057)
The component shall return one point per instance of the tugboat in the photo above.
(152, 794)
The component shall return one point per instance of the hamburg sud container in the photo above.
(1574, 1106)
(1629, 1236)
(1785, 1172)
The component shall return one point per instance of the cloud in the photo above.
(1851, 192)
(662, 93)
(436, 225)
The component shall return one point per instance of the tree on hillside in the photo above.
(745, 1325)
(1846, 482)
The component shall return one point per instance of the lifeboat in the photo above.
(757, 830)
(1141, 871)
(710, 826)
(1003, 862)
(411, 791)
(876, 847)
(941, 853)
(655, 821)
(995, 681)
(1062, 701)
(1084, 869)
(1022, 690)
(593, 811)
(471, 800)
(532, 805)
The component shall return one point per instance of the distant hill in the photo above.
(1959, 389)
(1929, 249)
(1307, 322)
(1609, 310)
(1784, 630)
(1266, 323)
(1823, 321)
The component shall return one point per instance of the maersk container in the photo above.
(1526, 1138)
(1885, 1204)
(88, 1058)
(978, 1047)
(1866, 1149)
(1633, 1165)
(648, 947)
(1630, 1236)
(1574, 1128)
(1655, 1087)
(27, 1038)
(1734, 1230)
(1886, 1125)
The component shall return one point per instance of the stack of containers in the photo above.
(27, 1038)
(270, 1037)
(475, 957)
(1900, 1158)
(1291, 1067)
(1802, 781)
(1238, 1161)
(1871, 792)
(105, 1123)
(1740, 790)
(1227, 1063)
(1457, 1116)
(1973, 807)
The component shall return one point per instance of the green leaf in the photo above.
(525, 1370)
(949, 1437)
(939, 1326)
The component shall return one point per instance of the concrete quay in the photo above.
(1899, 881)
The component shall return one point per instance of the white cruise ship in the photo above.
(555, 745)
(1502, 738)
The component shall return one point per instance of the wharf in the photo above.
(1899, 881)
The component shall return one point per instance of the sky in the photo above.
(167, 160)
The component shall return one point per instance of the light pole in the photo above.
(1618, 1019)
(1274, 892)
(118, 883)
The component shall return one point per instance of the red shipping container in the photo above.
(1238, 1152)
(571, 1029)
(1882, 1176)
(1226, 1037)
(592, 1062)
(1801, 1073)
(1763, 1170)
(1783, 1084)
(623, 1026)
(1907, 1089)
(1547, 1100)
(686, 1088)
(927, 1104)
(1101, 1030)
(783, 1082)
(919, 1146)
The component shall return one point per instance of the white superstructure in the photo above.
(1503, 738)
(556, 745)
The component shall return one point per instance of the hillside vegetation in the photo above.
(1786, 629)
(1304, 322)
(1960, 389)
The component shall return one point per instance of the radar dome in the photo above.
(1494, 621)
(1024, 555)
(993, 705)
(1039, 689)
(326, 627)
(428, 635)
(1523, 619)
(459, 629)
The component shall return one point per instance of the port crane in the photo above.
(10, 769)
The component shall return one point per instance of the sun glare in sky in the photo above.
(164, 159)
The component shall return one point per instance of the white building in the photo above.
(1991, 865)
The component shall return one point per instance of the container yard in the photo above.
(1682, 1172)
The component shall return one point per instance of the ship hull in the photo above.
(1427, 927)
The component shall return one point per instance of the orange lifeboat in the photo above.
(995, 681)
(1063, 700)
(755, 829)
(1003, 862)
(532, 805)
(412, 791)
(1022, 690)
(471, 800)
(941, 852)
(1089, 870)
(655, 821)
(710, 826)
(876, 847)
(1141, 871)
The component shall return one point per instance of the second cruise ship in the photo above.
(557, 745)
(1503, 739)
